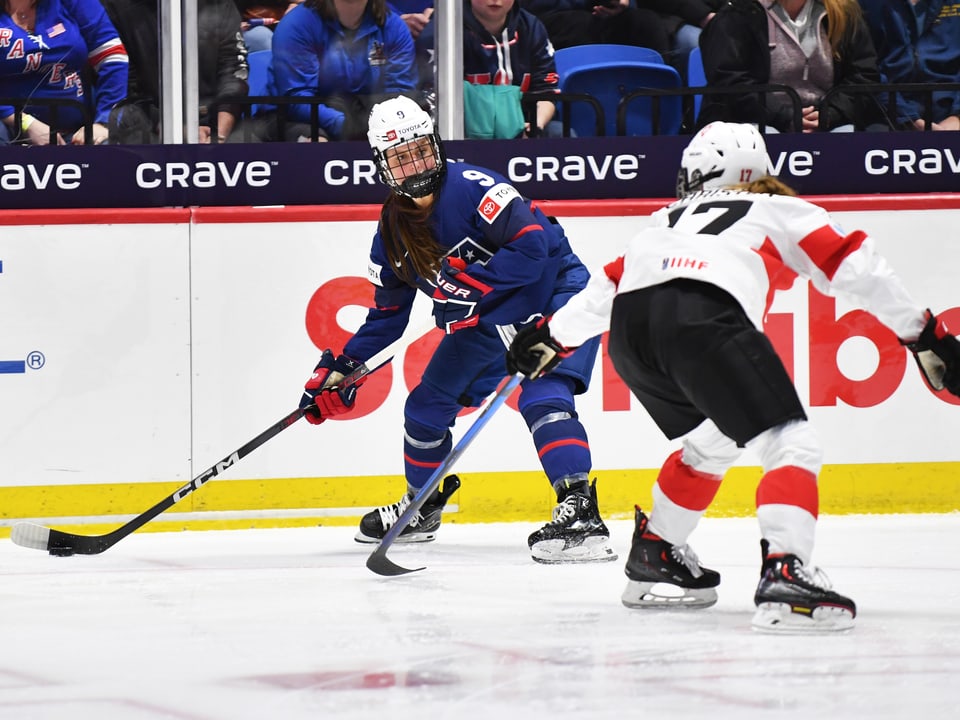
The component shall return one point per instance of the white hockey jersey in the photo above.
(751, 245)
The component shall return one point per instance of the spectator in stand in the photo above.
(59, 50)
(918, 41)
(259, 19)
(811, 46)
(222, 66)
(589, 22)
(506, 45)
(351, 53)
(684, 20)
(417, 14)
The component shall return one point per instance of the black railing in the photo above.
(656, 93)
(57, 106)
(889, 103)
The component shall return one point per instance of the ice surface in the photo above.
(289, 624)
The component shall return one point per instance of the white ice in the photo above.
(289, 624)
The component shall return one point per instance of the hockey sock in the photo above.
(422, 455)
(787, 509)
(681, 495)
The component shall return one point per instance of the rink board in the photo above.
(140, 347)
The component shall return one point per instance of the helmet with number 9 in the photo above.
(721, 155)
(406, 148)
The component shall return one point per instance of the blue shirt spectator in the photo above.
(919, 42)
(317, 52)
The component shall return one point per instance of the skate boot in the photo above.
(423, 527)
(792, 598)
(577, 533)
(664, 576)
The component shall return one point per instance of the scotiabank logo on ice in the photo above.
(826, 333)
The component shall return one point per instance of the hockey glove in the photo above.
(533, 352)
(456, 297)
(937, 353)
(322, 396)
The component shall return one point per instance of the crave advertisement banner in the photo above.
(344, 173)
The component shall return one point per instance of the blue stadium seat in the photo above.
(578, 55)
(611, 81)
(696, 78)
(259, 77)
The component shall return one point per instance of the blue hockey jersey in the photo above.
(522, 55)
(317, 57)
(507, 243)
(69, 36)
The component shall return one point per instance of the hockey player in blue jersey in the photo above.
(491, 262)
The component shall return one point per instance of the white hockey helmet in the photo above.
(721, 155)
(398, 121)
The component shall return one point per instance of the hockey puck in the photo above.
(61, 551)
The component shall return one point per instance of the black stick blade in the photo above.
(56, 542)
(382, 565)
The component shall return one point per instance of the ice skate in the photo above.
(423, 527)
(576, 534)
(664, 576)
(792, 598)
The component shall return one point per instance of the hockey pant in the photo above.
(465, 368)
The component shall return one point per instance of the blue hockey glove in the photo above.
(456, 297)
(534, 352)
(322, 397)
(937, 353)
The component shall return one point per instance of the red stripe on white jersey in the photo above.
(828, 248)
(779, 276)
(614, 270)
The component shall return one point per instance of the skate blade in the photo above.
(666, 596)
(782, 618)
(402, 540)
(555, 552)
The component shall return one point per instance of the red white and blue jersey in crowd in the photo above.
(68, 37)
(522, 54)
(507, 243)
(750, 245)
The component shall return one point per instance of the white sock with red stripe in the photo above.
(681, 495)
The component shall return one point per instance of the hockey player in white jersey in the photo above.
(684, 307)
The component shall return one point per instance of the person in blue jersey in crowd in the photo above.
(490, 261)
(506, 45)
(418, 16)
(918, 41)
(352, 53)
(59, 50)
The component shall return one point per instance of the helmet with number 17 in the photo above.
(406, 147)
(721, 155)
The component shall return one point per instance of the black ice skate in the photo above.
(577, 533)
(423, 527)
(792, 598)
(664, 576)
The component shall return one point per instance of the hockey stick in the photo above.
(58, 542)
(378, 560)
